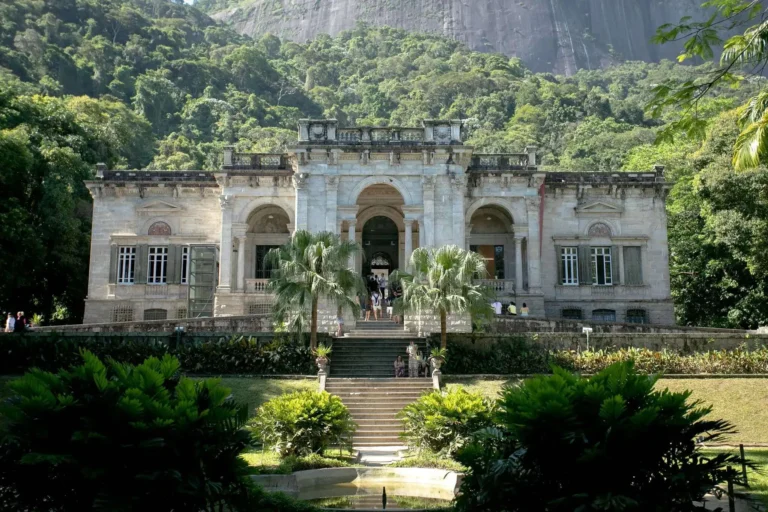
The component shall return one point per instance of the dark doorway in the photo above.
(380, 245)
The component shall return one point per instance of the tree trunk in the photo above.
(443, 330)
(313, 326)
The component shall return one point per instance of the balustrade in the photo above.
(257, 286)
(498, 285)
(257, 161)
(504, 162)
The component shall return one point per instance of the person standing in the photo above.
(413, 363)
(524, 310)
(376, 300)
(10, 322)
(21, 322)
(399, 367)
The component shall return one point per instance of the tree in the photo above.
(442, 281)
(613, 442)
(744, 54)
(310, 268)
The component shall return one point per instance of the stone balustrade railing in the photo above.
(394, 136)
(257, 286)
(498, 285)
(254, 161)
(504, 162)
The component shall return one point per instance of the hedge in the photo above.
(215, 355)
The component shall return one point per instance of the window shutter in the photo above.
(559, 263)
(585, 265)
(615, 265)
(142, 253)
(174, 266)
(633, 268)
(113, 256)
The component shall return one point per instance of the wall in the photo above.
(227, 324)
(506, 325)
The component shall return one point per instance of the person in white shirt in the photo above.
(376, 302)
(413, 363)
(10, 323)
(496, 307)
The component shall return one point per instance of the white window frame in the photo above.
(126, 264)
(569, 260)
(603, 253)
(157, 265)
(184, 265)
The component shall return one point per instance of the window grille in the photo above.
(126, 265)
(260, 308)
(181, 313)
(122, 313)
(157, 265)
(572, 314)
(569, 259)
(637, 316)
(604, 315)
(155, 314)
(602, 270)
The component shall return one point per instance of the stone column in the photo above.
(459, 189)
(408, 243)
(467, 236)
(302, 200)
(534, 248)
(429, 211)
(225, 247)
(331, 202)
(351, 224)
(422, 232)
(518, 265)
(241, 263)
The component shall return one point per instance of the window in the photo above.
(569, 260)
(633, 269)
(604, 315)
(263, 271)
(126, 265)
(155, 314)
(122, 313)
(637, 316)
(181, 313)
(260, 308)
(184, 265)
(498, 261)
(601, 266)
(571, 314)
(157, 265)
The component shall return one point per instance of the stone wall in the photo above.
(426, 323)
(223, 324)
(683, 342)
(502, 325)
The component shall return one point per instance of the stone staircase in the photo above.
(362, 374)
(374, 404)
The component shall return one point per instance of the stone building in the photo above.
(192, 243)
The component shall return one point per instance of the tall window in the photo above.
(633, 268)
(601, 266)
(126, 264)
(157, 265)
(569, 259)
(263, 271)
(184, 265)
(498, 261)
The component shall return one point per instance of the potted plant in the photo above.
(321, 356)
(439, 356)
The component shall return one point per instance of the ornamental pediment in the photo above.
(158, 207)
(599, 208)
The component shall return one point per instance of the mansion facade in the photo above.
(179, 244)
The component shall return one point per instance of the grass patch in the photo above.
(743, 402)
(255, 391)
(757, 477)
(428, 460)
(270, 463)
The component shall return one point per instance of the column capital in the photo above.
(332, 182)
(520, 236)
(300, 180)
(227, 202)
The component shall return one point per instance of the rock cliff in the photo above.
(561, 36)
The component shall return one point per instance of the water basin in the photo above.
(355, 497)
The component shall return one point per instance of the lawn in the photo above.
(743, 402)
(758, 478)
(255, 392)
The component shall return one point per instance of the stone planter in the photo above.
(437, 363)
(322, 364)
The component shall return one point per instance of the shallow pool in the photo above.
(353, 497)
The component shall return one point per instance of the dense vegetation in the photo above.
(157, 84)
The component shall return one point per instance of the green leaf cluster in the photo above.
(303, 423)
(611, 443)
(120, 437)
(441, 423)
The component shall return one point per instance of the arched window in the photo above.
(155, 314)
(571, 314)
(604, 315)
(159, 229)
(600, 230)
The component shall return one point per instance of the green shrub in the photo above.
(234, 355)
(270, 463)
(610, 442)
(303, 422)
(442, 422)
(118, 437)
(516, 355)
(425, 459)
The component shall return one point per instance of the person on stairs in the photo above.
(376, 301)
(399, 367)
(413, 363)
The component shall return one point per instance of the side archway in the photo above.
(245, 212)
(380, 180)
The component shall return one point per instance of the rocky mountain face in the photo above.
(561, 36)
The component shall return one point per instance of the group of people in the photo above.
(511, 309)
(380, 295)
(418, 365)
(16, 323)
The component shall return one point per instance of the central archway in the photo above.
(381, 244)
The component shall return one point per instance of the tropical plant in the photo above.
(611, 442)
(310, 268)
(303, 422)
(439, 354)
(323, 350)
(120, 437)
(442, 281)
(442, 422)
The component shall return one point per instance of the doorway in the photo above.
(381, 245)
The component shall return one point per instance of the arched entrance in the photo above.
(268, 228)
(381, 241)
(492, 237)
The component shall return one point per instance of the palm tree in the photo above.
(312, 266)
(441, 280)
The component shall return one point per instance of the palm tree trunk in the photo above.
(443, 330)
(313, 326)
